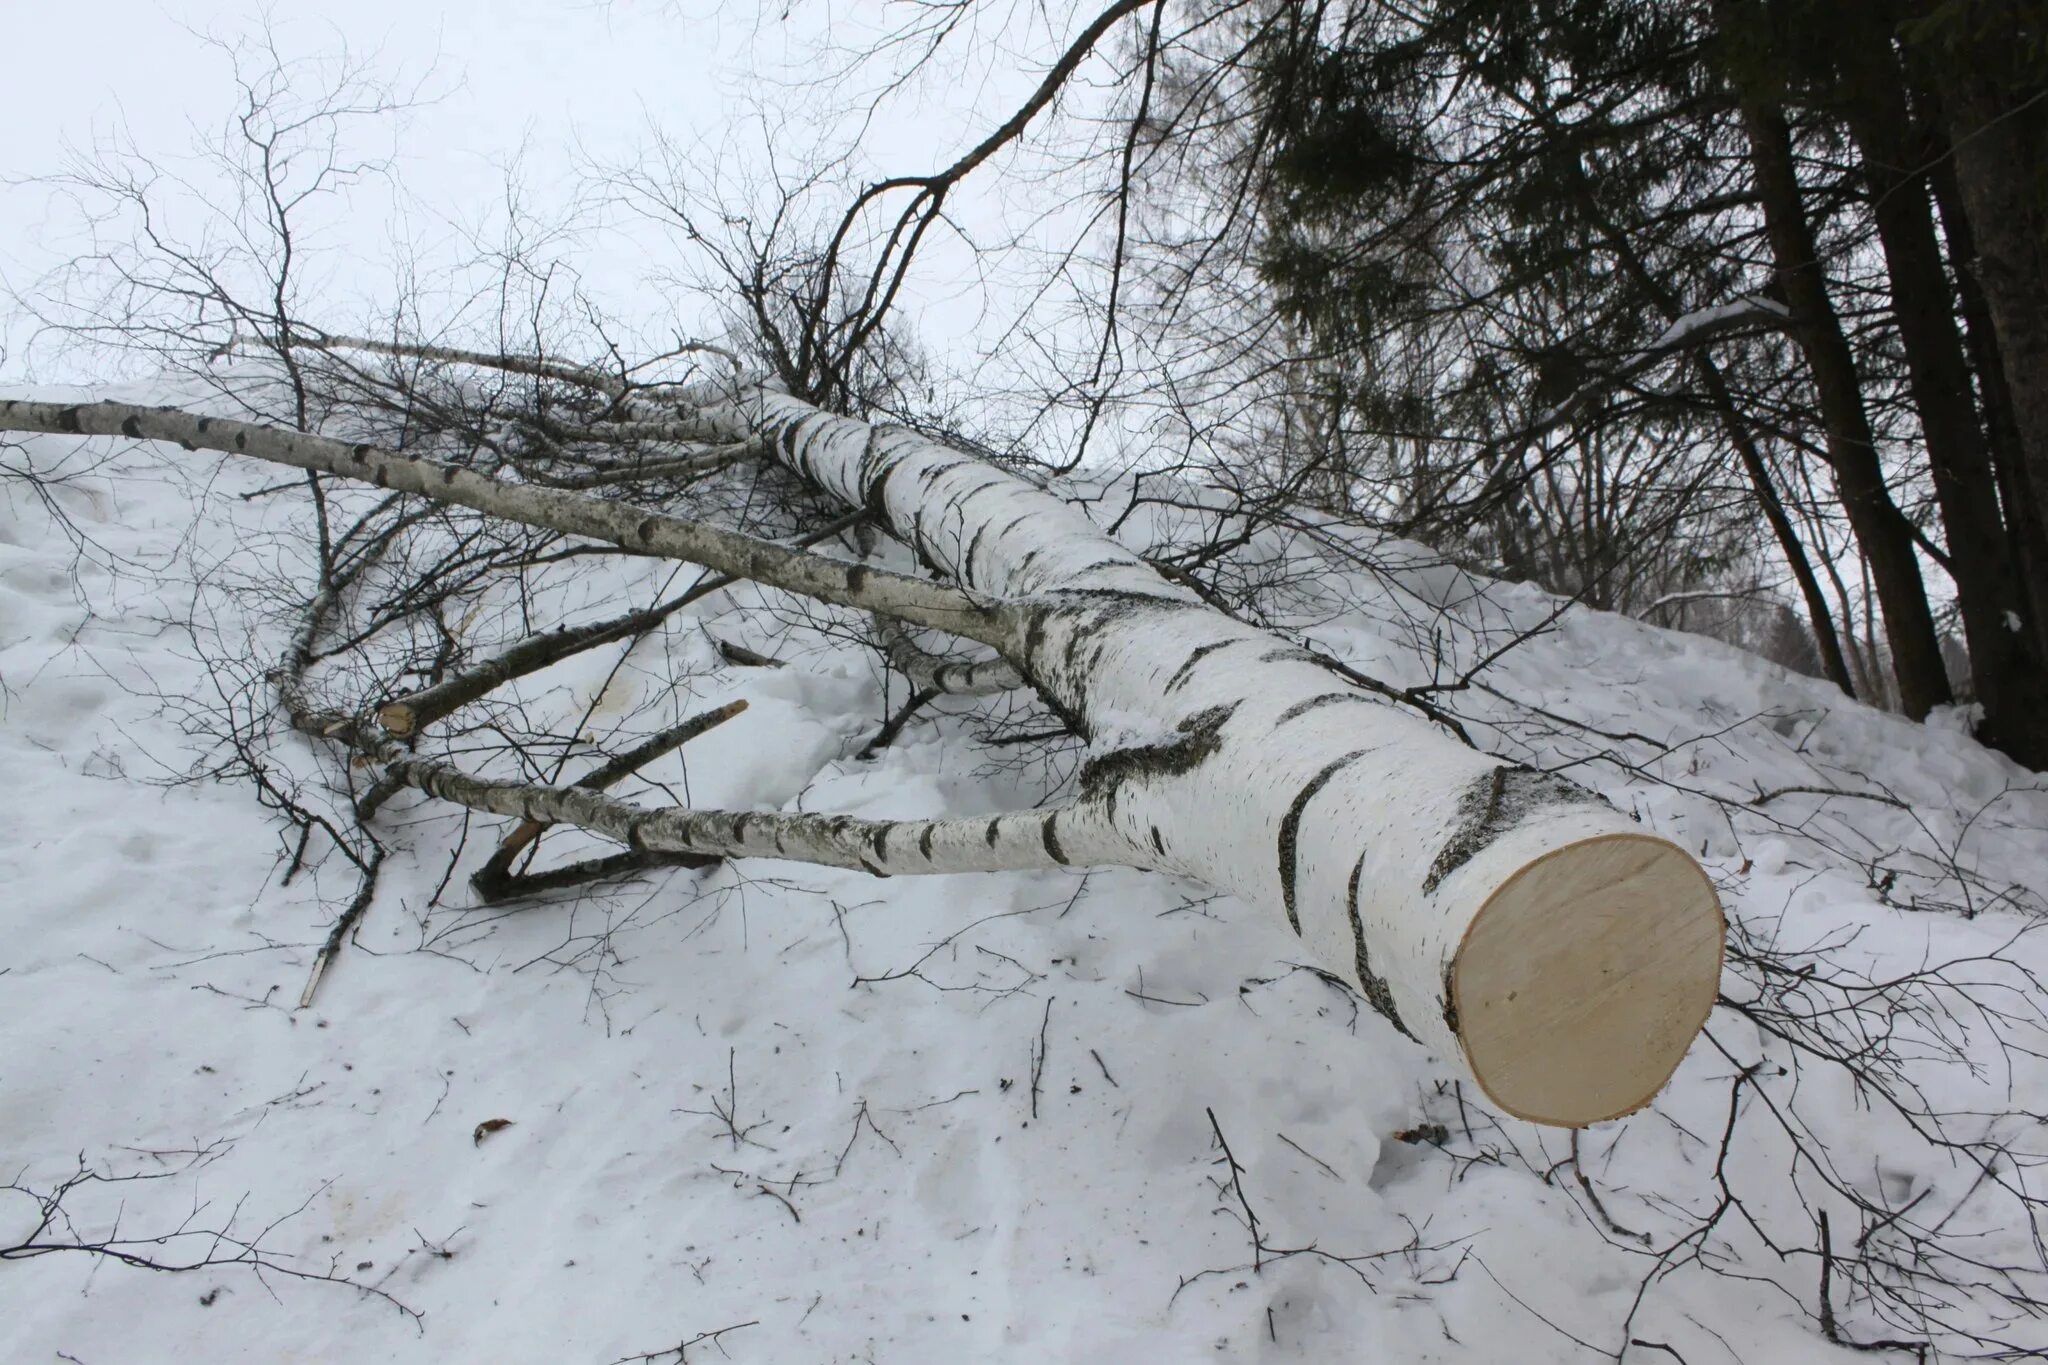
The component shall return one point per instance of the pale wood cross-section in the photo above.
(1584, 978)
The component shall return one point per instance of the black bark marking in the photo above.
(1034, 630)
(872, 454)
(1494, 804)
(1450, 1004)
(924, 842)
(856, 577)
(808, 463)
(1158, 843)
(362, 452)
(1377, 993)
(1195, 656)
(1069, 717)
(1095, 612)
(995, 829)
(644, 532)
(132, 427)
(1290, 830)
(1052, 839)
(1128, 599)
(787, 440)
(205, 425)
(879, 840)
(1201, 735)
(1087, 630)
(1302, 708)
(877, 499)
(241, 440)
(1070, 653)
(952, 504)
(1002, 532)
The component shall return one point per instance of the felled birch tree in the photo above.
(1504, 918)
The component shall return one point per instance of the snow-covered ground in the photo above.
(946, 1119)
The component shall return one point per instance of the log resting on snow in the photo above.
(1500, 916)
(1496, 914)
(1080, 833)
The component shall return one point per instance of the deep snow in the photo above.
(883, 1191)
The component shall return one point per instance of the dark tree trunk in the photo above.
(1827, 640)
(1881, 529)
(2026, 533)
(1998, 129)
(2005, 667)
(1821, 621)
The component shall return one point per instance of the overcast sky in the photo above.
(547, 81)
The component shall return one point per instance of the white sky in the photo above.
(512, 74)
(545, 80)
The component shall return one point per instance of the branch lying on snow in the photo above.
(681, 1350)
(828, 580)
(893, 726)
(1079, 835)
(494, 880)
(344, 925)
(1764, 798)
(929, 672)
(55, 1233)
(1231, 1188)
(1497, 915)
(706, 460)
(408, 715)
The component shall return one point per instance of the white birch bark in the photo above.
(840, 582)
(1018, 840)
(927, 671)
(1505, 919)
(1497, 915)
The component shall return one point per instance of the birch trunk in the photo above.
(1497, 915)
(1504, 918)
